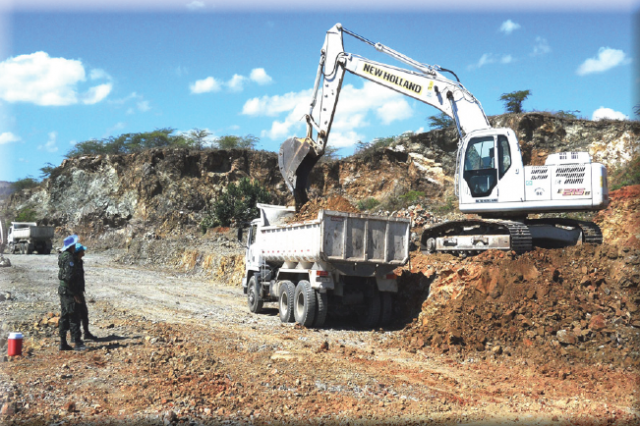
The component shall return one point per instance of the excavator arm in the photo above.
(425, 83)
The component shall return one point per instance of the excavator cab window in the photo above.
(480, 171)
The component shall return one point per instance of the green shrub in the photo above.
(625, 175)
(237, 142)
(25, 183)
(411, 197)
(367, 204)
(238, 203)
(27, 214)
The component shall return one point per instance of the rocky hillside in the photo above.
(160, 193)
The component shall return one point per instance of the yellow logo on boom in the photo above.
(392, 78)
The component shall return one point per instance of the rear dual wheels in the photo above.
(378, 310)
(305, 304)
(286, 300)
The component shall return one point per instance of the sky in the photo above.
(82, 70)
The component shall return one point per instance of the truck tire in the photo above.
(387, 309)
(12, 248)
(253, 296)
(323, 307)
(369, 317)
(29, 248)
(305, 304)
(285, 301)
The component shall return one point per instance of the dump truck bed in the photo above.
(339, 237)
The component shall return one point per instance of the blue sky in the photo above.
(69, 74)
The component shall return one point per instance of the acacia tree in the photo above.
(513, 101)
(440, 121)
(199, 137)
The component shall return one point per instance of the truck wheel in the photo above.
(29, 249)
(305, 304)
(323, 307)
(12, 248)
(369, 317)
(286, 299)
(253, 296)
(387, 309)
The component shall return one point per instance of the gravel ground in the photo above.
(175, 349)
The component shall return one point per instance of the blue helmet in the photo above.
(71, 240)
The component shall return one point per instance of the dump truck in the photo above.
(27, 237)
(339, 263)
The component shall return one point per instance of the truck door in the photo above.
(253, 255)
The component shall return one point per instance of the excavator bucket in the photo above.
(296, 159)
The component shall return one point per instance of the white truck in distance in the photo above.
(339, 261)
(27, 237)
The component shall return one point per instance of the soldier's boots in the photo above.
(79, 346)
(64, 346)
(89, 336)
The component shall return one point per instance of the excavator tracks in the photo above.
(591, 233)
(474, 236)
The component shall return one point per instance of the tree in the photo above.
(46, 170)
(199, 137)
(238, 203)
(636, 109)
(24, 183)
(440, 121)
(237, 142)
(513, 101)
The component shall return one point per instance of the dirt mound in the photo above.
(620, 222)
(310, 209)
(580, 303)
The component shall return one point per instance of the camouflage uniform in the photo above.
(83, 311)
(69, 315)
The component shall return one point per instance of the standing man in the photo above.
(68, 292)
(83, 311)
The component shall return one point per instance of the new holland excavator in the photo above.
(490, 179)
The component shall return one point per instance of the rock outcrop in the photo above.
(165, 192)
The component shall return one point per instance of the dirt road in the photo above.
(178, 350)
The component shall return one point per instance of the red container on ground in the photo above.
(14, 344)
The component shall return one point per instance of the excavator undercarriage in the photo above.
(472, 237)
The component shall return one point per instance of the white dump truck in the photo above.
(27, 237)
(339, 262)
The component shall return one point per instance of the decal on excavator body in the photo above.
(392, 78)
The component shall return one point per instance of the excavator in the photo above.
(491, 180)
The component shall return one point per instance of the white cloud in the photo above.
(208, 84)
(97, 74)
(603, 113)
(490, 58)
(236, 84)
(509, 26)
(352, 111)
(8, 137)
(420, 130)
(541, 47)
(607, 58)
(96, 94)
(394, 110)
(506, 59)
(50, 146)
(143, 106)
(37, 78)
(195, 5)
(260, 76)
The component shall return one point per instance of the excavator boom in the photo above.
(425, 83)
